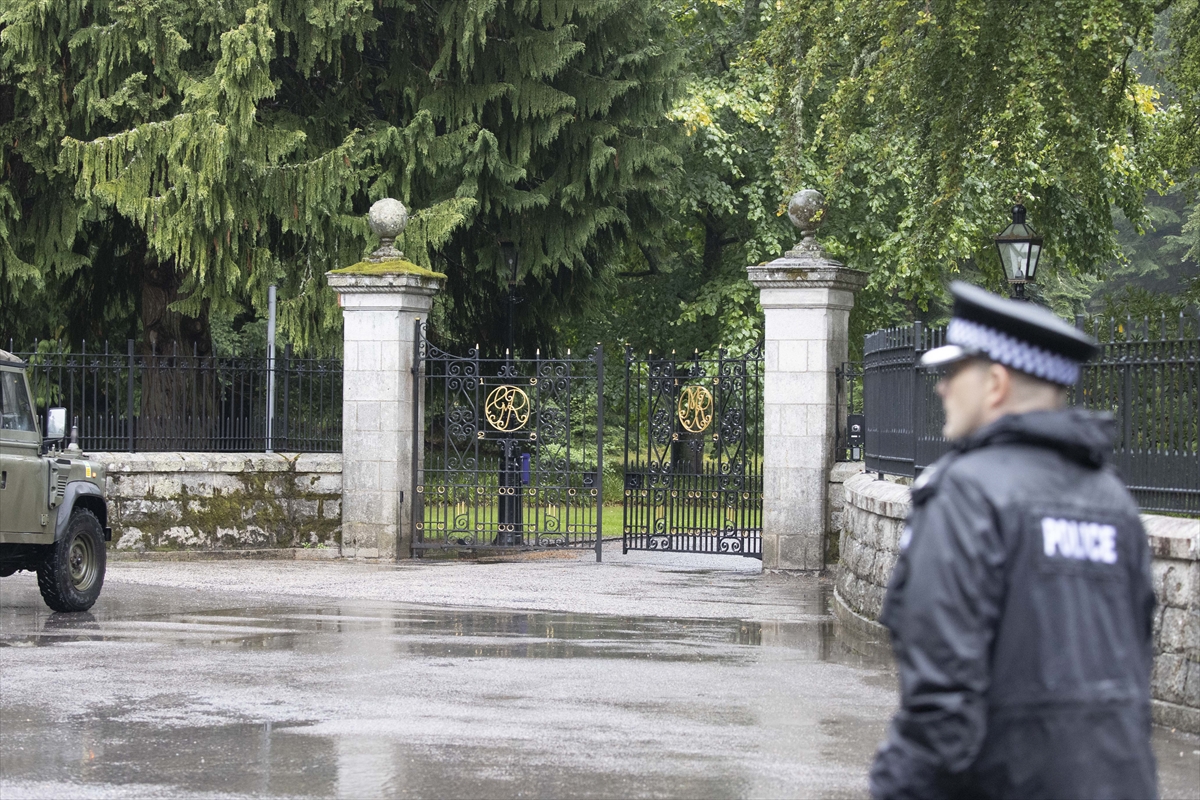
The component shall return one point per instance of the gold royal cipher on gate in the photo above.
(507, 408)
(695, 408)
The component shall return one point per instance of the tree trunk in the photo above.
(179, 390)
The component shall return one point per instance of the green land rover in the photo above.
(53, 514)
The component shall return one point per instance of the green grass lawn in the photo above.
(465, 517)
(580, 519)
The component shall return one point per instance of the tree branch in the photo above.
(651, 264)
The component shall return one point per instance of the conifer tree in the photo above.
(188, 155)
(685, 286)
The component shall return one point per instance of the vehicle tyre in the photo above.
(71, 576)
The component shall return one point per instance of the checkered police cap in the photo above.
(1019, 335)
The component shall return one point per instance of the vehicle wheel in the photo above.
(71, 576)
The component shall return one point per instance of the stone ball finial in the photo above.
(387, 218)
(806, 210)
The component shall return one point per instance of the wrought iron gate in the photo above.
(693, 454)
(509, 452)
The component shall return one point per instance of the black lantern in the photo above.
(508, 252)
(1020, 248)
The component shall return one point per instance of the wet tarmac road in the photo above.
(281, 679)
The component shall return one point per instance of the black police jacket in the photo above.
(1020, 611)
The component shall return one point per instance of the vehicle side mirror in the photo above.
(56, 423)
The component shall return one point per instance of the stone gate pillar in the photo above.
(806, 298)
(381, 300)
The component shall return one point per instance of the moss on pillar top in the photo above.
(394, 266)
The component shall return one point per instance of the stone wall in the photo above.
(1175, 546)
(873, 519)
(223, 501)
(836, 500)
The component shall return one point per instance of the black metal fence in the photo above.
(130, 401)
(1147, 375)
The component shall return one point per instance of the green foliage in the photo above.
(1181, 70)
(238, 334)
(685, 285)
(923, 121)
(207, 151)
(147, 130)
(1157, 273)
(559, 108)
(1158, 258)
(1181, 74)
(164, 162)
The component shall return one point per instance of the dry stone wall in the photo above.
(1175, 547)
(872, 521)
(224, 501)
(841, 472)
(873, 518)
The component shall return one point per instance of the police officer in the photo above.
(1020, 606)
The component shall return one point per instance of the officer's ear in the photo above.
(998, 385)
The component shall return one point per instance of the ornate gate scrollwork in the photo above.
(693, 454)
(509, 452)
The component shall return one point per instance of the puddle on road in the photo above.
(177, 737)
(480, 739)
(455, 632)
(271, 760)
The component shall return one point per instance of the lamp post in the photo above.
(508, 251)
(510, 471)
(1020, 248)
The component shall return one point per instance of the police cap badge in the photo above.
(1019, 335)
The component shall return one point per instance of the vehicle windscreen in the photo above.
(15, 412)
